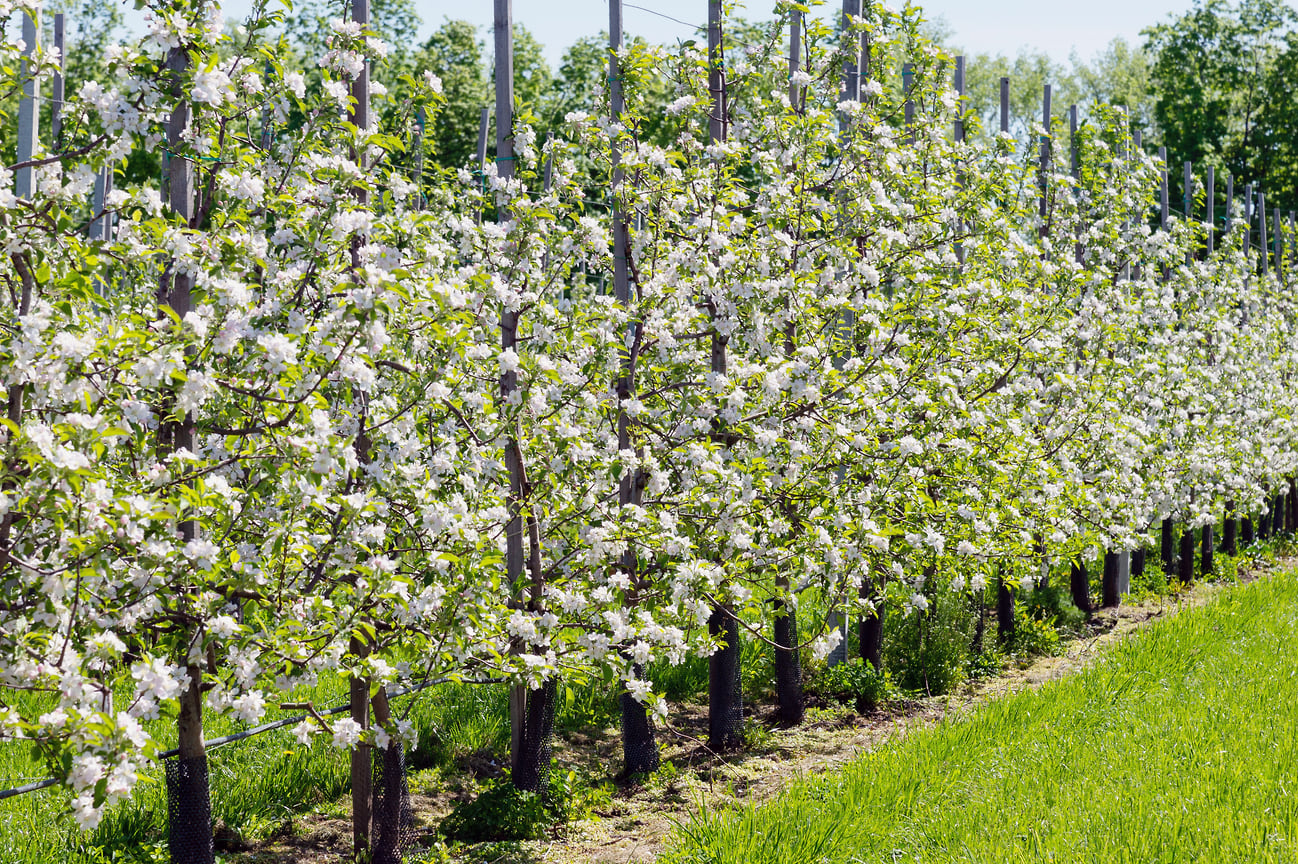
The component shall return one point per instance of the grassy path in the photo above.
(1179, 744)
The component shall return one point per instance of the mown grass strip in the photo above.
(1179, 744)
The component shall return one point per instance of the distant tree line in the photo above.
(1216, 85)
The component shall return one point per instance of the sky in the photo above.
(992, 26)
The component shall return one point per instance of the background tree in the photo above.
(1216, 87)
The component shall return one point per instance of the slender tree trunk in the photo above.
(869, 632)
(725, 694)
(361, 762)
(1169, 547)
(1230, 530)
(1206, 550)
(1004, 607)
(1246, 533)
(190, 831)
(1138, 562)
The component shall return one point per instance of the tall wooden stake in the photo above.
(788, 665)
(1211, 215)
(1043, 173)
(484, 124)
(58, 86)
(725, 695)
(362, 772)
(1261, 227)
(29, 111)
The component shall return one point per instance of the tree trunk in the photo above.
(1081, 586)
(1230, 530)
(1004, 607)
(1111, 597)
(1206, 551)
(1138, 562)
(361, 763)
(869, 632)
(1168, 548)
(1185, 564)
(531, 769)
(189, 801)
(725, 693)
(639, 749)
(1246, 534)
(788, 665)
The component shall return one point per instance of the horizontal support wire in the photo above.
(248, 733)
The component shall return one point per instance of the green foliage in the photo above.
(929, 652)
(855, 683)
(1178, 746)
(987, 663)
(1225, 96)
(1033, 636)
(502, 812)
(1053, 602)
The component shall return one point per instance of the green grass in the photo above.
(1180, 744)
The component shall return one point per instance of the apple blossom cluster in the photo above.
(920, 381)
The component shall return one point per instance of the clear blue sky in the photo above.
(996, 26)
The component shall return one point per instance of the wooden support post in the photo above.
(851, 72)
(1278, 241)
(795, 59)
(515, 552)
(1075, 166)
(29, 111)
(1164, 211)
(1136, 140)
(907, 84)
(1043, 172)
(59, 86)
(1005, 105)
(1230, 202)
(1165, 217)
(1211, 216)
(959, 135)
(191, 830)
(1248, 216)
(959, 90)
(421, 129)
(790, 705)
(1188, 203)
(484, 123)
(362, 772)
(1261, 226)
(725, 692)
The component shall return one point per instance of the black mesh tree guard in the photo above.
(639, 749)
(1230, 530)
(1081, 586)
(392, 832)
(788, 666)
(725, 693)
(189, 811)
(532, 768)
